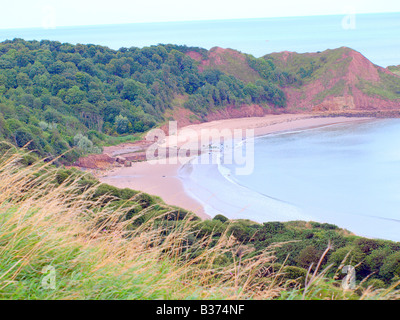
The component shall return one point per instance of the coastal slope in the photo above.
(70, 100)
(338, 80)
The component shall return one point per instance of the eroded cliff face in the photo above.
(246, 110)
(95, 161)
(343, 81)
(350, 82)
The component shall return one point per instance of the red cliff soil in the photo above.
(95, 161)
(120, 155)
(314, 96)
(243, 111)
(351, 97)
(185, 117)
(182, 116)
(216, 57)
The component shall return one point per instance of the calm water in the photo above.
(347, 174)
(377, 36)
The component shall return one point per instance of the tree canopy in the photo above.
(51, 91)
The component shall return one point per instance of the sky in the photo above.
(54, 13)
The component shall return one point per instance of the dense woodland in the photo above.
(61, 96)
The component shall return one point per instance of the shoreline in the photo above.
(163, 179)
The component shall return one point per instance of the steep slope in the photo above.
(228, 61)
(244, 74)
(337, 80)
(394, 69)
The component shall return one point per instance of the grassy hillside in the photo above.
(337, 80)
(100, 242)
(394, 69)
(228, 61)
(388, 88)
(309, 67)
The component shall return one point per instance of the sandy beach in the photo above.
(163, 180)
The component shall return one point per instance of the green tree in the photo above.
(84, 144)
(390, 267)
(23, 137)
(122, 124)
(23, 79)
(4, 128)
(348, 255)
(132, 90)
(74, 95)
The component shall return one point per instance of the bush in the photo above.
(376, 283)
(208, 227)
(84, 144)
(273, 227)
(221, 218)
(106, 189)
(127, 193)
(294, 273)
(375, 260)
(309, 256)
(325, 226)
(61, 176)
(367, 245)
(23, 137)
(354, 256)
(390, 267)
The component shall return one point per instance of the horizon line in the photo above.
(200, 20)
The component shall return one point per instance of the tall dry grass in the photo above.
(96, 255)
(92, 251)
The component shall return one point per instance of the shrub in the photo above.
(221, 218)
(376, 283)
(309, 256)
(291, 273)
(349, 255)
(390, 267)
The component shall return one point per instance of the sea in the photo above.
(346, 174)
(377, 36)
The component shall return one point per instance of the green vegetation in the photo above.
(389, 87)
(304, 68)
(110, 243)
(59, 96)
(394, 69)
(232, 63)
(61, 101)
(55, 96)
(334, 72)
